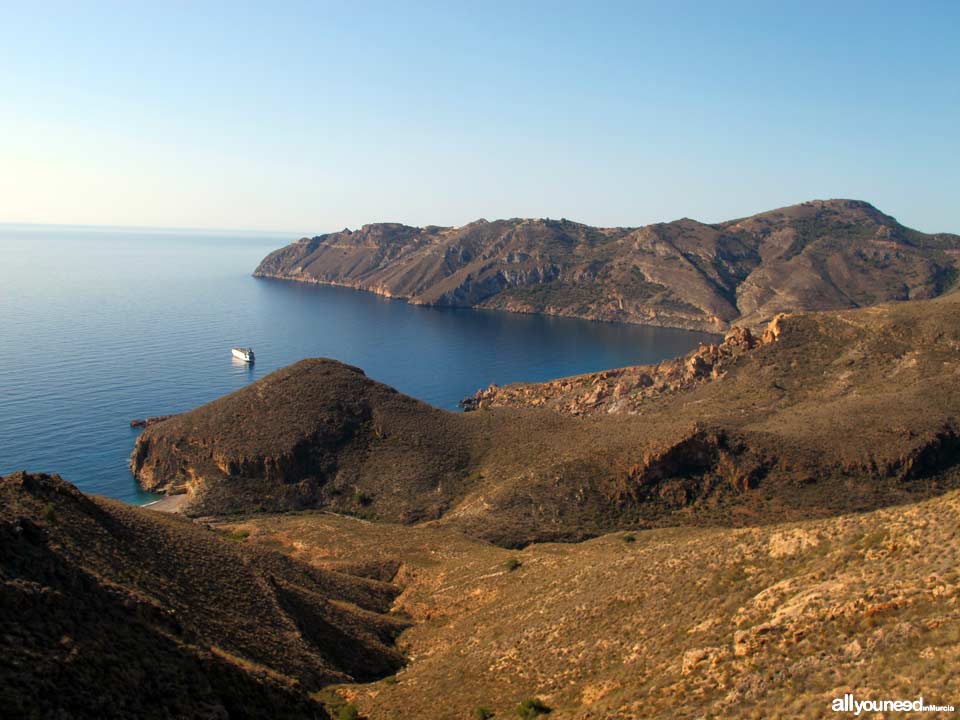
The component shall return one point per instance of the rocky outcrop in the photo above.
(623, 390)
(147, 422)
(813, 256)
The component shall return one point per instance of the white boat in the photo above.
(245, 354)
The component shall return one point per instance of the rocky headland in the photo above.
(818, 255)
(821, 413)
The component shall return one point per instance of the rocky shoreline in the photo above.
(621, 390)
(147, 422)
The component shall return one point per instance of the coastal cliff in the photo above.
(823, 254)
(822, 413)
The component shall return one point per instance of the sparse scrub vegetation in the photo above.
(238, 536)
(532, 708)
(768, 455)
(348, 712)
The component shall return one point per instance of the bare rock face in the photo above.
(682, 274)
(623, 390)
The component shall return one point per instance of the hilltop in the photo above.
(824, 413)
(116, 611)
(818, 255)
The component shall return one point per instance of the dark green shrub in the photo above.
(512, 564)
(483, 713)
(629, 538)
(348, 712)
(532, 708)
(236, 535)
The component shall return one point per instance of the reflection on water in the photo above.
(98, 327)
(241, 368)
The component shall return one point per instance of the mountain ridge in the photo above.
(817, 255)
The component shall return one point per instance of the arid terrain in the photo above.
(114, 611)
(770, 622)
(763, 525)
(818, 255)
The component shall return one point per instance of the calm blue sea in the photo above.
(101, 325)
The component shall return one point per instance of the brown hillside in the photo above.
(115, 611)
(813, 256)
(836, 411)
(759, 623)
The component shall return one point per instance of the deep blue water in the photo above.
(98, 326)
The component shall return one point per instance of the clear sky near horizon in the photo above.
(309, 117)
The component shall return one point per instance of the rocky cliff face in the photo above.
(687, 274)
(623, 390)
(821, 413)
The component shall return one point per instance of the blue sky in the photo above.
(310, 117)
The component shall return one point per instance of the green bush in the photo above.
(483, 713)
(629, 538)
(532, 708)
(236, 535)
(512, 564)
(348, 712)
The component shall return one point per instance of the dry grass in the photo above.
(719, 623)
(113, 611)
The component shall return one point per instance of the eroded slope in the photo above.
(115, 611)
(771, 622)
